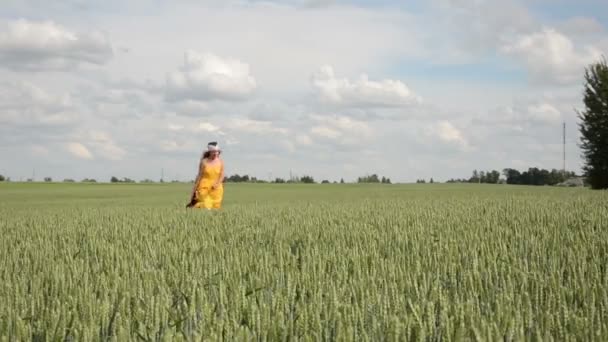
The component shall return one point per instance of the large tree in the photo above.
(594, 125)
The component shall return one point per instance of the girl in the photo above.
(208, 190)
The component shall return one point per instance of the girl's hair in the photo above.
(208, 153)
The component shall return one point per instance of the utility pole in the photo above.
(564, 149)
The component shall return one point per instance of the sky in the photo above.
(332, 89)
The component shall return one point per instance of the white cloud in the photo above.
(46, 45)
(170, 145)
(207, 127)
(276, 110)
(105, 146)
(447, 133)
(523, 114)
(325, 132)
(206, 77)
(23, 103)
(551, 56)
(174, 127)
(340, 129)
(361, 92)
(190, 108)
(256, 127)
(544, 113)
(303, 139)
(39, 151)
(580, 26)
(79, 150)
(464, 30)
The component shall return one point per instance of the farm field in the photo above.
(343, 262)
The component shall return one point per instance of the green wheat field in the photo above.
(323, 262)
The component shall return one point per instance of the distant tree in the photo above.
(420, 181)
(147, 180)
(2, 178)
(385, 180)
(114, 180)
(535, 176)
(431, 181)
(68, 180)
(236, 178)
(475, 177)
(325, 181)
(279, 180)
(307, 179)
(594, 125)
(341, 180)
(493, 177)
(89, 180)
(48, 179)
(512, 176)
(369, 179)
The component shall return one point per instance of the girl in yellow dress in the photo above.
(208, 190)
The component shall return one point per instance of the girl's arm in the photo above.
(201, 166)
(221, 178)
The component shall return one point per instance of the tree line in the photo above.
(532, 176)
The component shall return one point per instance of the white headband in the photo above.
(213, 148)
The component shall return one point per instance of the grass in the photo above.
(346, 262)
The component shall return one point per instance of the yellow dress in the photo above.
(206, 196)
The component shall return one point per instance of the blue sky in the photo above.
(335, 89)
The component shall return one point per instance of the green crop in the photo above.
(435, 262)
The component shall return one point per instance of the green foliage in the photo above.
(594, 125)
(307, 179)
(236, 178)
(373, 179)
(442, 263)
(490, 177)
(535, 176)
(2, 178)
(124, 180)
